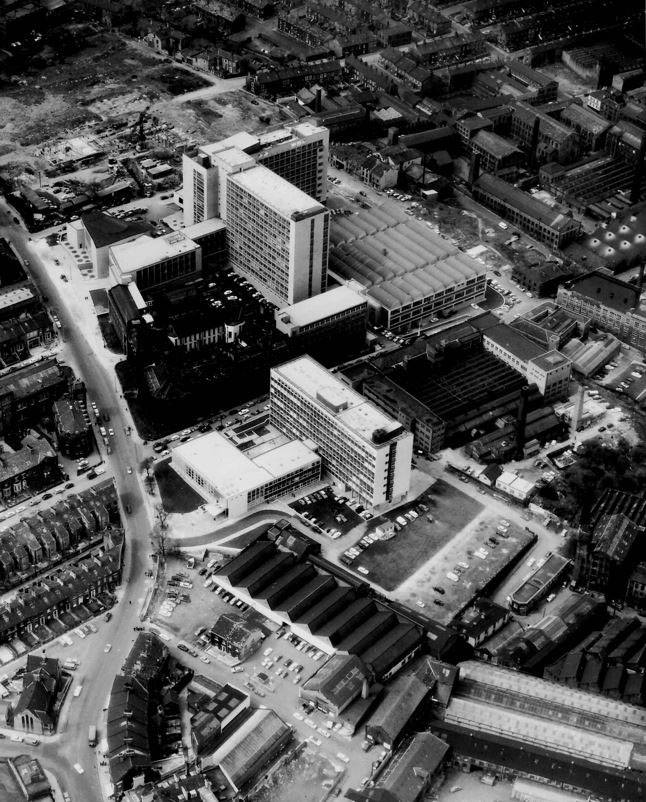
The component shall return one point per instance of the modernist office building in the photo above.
(297, 153)
(363, 449)
(278, 236)
(151, 262)
(233, 482)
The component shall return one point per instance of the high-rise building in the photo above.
(365, 451)
(277, 235)
(298, 153)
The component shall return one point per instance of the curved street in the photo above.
(70, 745)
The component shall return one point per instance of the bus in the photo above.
(91, 738)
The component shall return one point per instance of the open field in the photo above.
(390, 562)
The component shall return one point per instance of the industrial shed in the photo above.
(256, 743)
(409, 272)
(403, 700)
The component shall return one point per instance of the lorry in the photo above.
(91, 738)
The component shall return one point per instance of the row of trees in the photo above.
(599, 466)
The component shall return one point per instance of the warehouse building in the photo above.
(605, 301)
(410, 774)
(549, 225)
(497, 154)
(233, 482)
(337, 684)
(409, 273)
(515, 725)
(337, 615)
(548, 370)
(447, 388)
(555, 141)
(548, 574)
(254, 744)
(404, 700)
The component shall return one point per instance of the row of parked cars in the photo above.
(229, 598)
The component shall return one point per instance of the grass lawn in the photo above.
(390, 562)
(176, 495)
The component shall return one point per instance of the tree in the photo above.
(159, 533)
(599, 466)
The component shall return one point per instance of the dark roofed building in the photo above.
(73, 431)
(27, 394)
(104, 229)
(214, 711)
(339, 681)
(235, 636)
(497, 154)
(482, 620)
(512, 724)
(147, 658)
(35, 711)
(96, 232)
(552, 226)
(254, 744)
(404, 699)
(542, 280)
(127, 731)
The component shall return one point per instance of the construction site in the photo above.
(85, 118)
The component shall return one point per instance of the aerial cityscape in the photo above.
(322, 401)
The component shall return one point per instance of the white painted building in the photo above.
(233, 482)
(366, 452)
(277, 236)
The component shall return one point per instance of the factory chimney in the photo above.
(393, 135)
(577, 414)
(533, 147)
(474, 169)
(521, 422)
(365, 689)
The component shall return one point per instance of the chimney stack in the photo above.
(521, 422)
(474, 169)
(365, 688)
(534, 142)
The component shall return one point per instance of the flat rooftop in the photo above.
(230, 472)
(550, 360)
(251, 143)
(283, 197)
(513, 341)
(327, 391)
(533, 586)
(204, 228)
(145, 251)
(319, 307)
(11, 296)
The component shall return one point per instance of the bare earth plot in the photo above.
(299, 781)
(390, 562)
(112, 79)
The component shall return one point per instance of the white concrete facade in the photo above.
(234, 483)
(364, 451)
(278, 236)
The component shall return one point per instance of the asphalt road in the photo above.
(70, 746)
